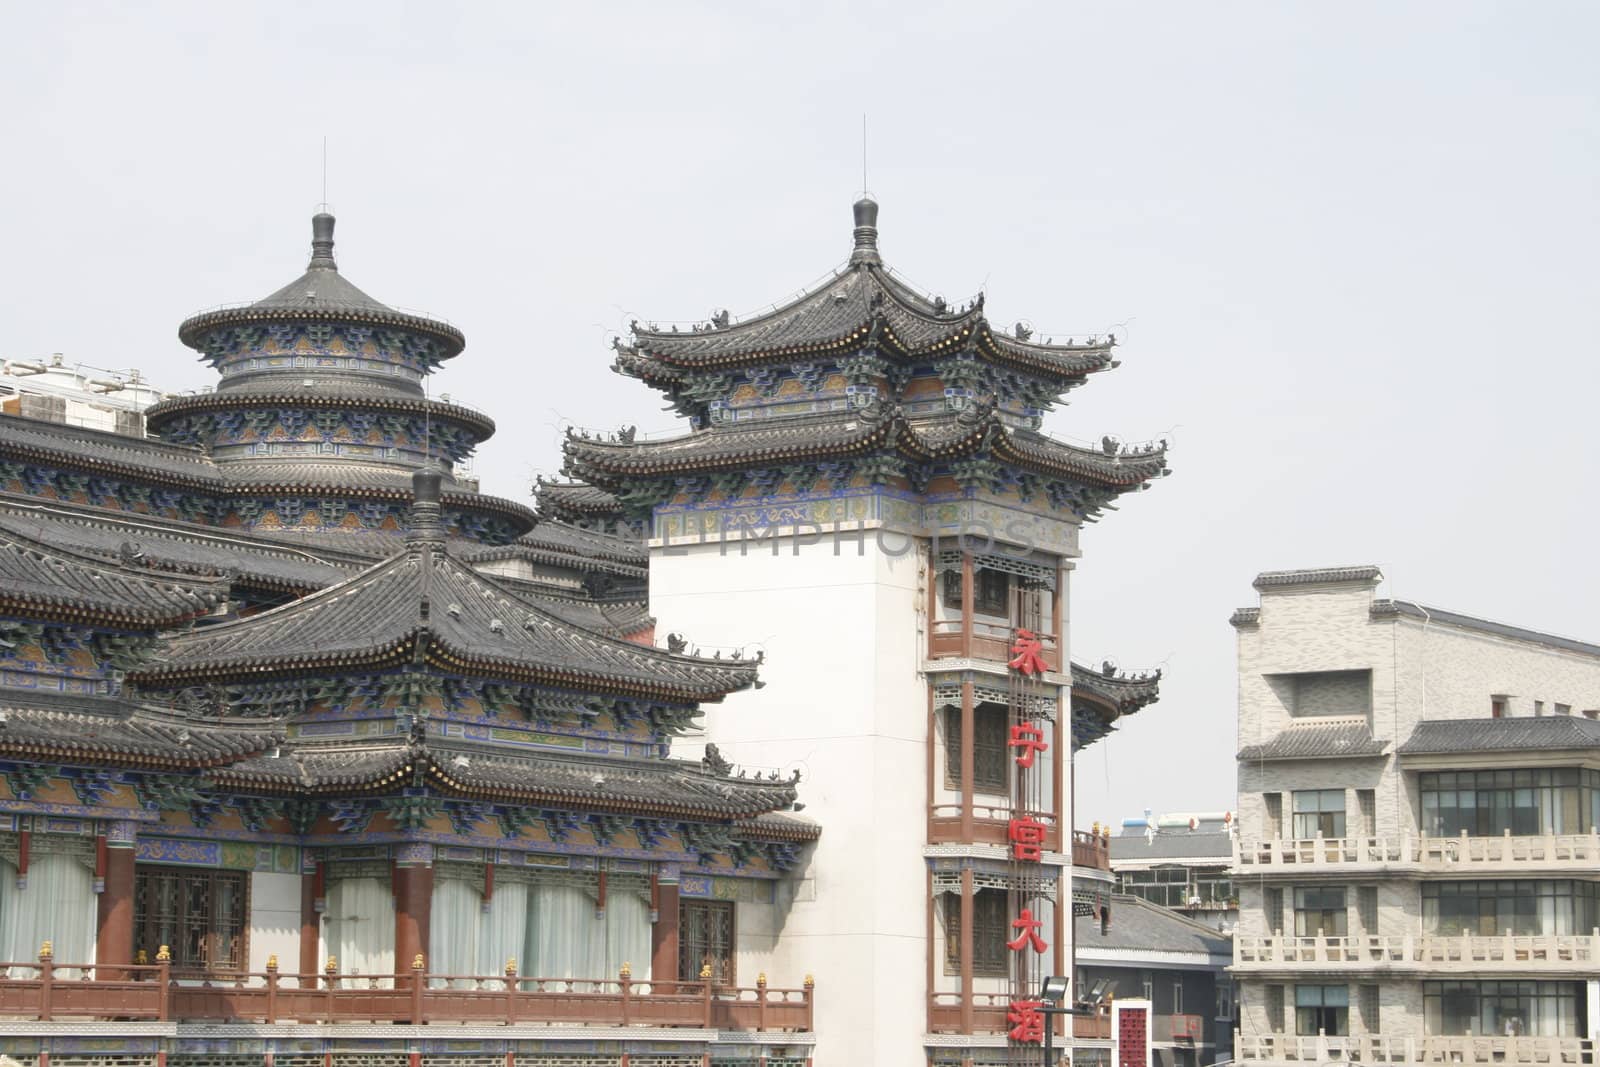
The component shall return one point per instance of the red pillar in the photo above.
(310, 923)
(113, 942)
(664, 935)
(413, 906)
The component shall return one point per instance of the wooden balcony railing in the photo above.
(46, 990)
(1178, 1028)
(1267, 1049)
(991, 825)
(1091, 850)
(1411, 853)
(1577, 953)
(987, 641)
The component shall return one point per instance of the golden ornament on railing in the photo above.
(272, 962)
(705, 972)
(810, 981)
(418, 963)
(511, 965)
(627, 970)
(761, 979)
(163, 954)
(141, 957)
(47, 950)
(332, 966)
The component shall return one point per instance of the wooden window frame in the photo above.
(991, 927)
(146, 926)
(991, 591)
(991, 766)
(696, 947)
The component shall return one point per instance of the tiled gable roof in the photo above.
(1547, 732)
(1331, 741)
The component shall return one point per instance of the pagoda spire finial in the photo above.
(426, 525)
(866, 231)
(322, 242)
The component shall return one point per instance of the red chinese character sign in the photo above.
(1027, 653)
(1027, 839)
(1026, 1021)
(1130, 1032)
(1029, 935)
(1030, 739)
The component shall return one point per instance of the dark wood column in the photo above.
(966, 950)
(664, 935)
(311, 891)
(114, 907)
(969, 766)
(413, 908)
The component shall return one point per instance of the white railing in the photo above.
(1430, 952)
(1375, 1048)
(1416, 852)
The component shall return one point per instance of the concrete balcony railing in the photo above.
(1407, 853)
(1268, 1049)
(44, 991)
(1434, 954)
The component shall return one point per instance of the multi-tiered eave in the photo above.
(1101, 697)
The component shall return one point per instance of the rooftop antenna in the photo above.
(863, 153)
(324, 172)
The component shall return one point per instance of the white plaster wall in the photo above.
(275, 920)
(845, 703)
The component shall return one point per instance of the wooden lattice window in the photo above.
(991, 591)
(991, 725)
(990, 930)
(706, 936)
(202, 916)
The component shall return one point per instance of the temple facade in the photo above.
(865, 487)
(312, 754)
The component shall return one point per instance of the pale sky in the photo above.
(1351, 249)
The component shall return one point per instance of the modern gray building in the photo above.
(1179, 861)
(1417, 858)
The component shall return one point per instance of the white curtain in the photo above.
(565, 940)
(627, 935)
(453, 928)
(360, 926)
(58, 906)
(503, 930)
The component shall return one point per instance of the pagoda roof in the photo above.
(180, 548)
(350, 395)
(563, 544)
(42, 727)
(100, 452)
(646, 786)
(815, 438)
(40, 580)
(861, 304)
(320, 294)
(426, 606)
(1101, 697)
(575, 500)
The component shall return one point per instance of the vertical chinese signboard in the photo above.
(1026, 836)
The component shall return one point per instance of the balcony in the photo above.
(989, 1017)
(1091, 850)
(1406, 853)
(46, 991)
(977, 639)
(1574, 954)
(991, 825)
(1265, 1049)
(1179, 1029)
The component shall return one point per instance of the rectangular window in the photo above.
(1369, 1010)
(1319, 911)
(991, 591)
(1498, 707)
(1321, 1009)
(990, 764)
(1517, 1008)
(1516, 801)
(1274, 910)
(1563, 709)
(1274, 803)
(706, 938)
(990, 931)
(1367, 806)
(1224, 998)
(1523, 907)
(200, 915)
(1318, 813)
(1275, 996)
(1177, 998)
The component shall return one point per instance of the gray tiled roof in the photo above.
(1316, 575)
(1486, 626)
(1344, 741)
(811, 438)
(40, 726)
(844, 310)
(1139, 926)
(45, 581)
(654, 784)
(1127, 692)
(1443, 736)
(1171, 844)
(425, 602)
(570, 500)
(563, 544)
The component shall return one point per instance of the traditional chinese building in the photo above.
(865, 482)
(301, 738)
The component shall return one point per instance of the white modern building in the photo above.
(1418, 858)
